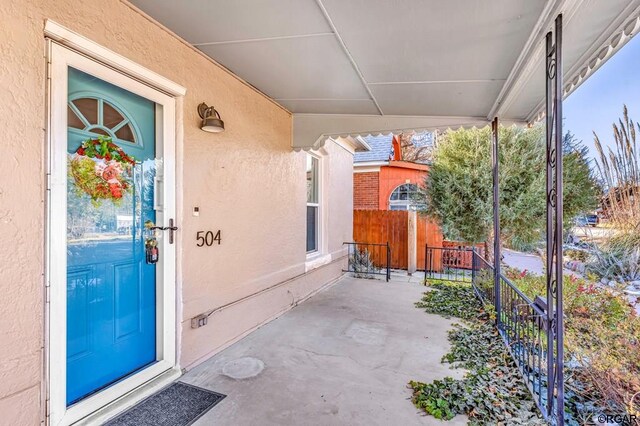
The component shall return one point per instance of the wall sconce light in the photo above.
(211, 121)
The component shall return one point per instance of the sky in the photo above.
(598, 102)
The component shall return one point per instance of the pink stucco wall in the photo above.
(247, 182)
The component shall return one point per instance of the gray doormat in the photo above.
(179, 404)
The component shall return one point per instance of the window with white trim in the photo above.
(404, 197)
(313, 203)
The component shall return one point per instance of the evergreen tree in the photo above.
(457, 192)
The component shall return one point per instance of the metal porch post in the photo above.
(554, 320)
(496, 218)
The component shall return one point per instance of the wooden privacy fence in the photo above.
(429, 234)
(395, 227)
(381, 226)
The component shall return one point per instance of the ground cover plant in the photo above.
(491, 391)
(602, 361)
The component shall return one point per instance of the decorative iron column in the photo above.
(496, 218)
(554, 321)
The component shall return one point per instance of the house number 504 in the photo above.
(207, 238)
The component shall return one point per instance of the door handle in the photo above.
(171, 228)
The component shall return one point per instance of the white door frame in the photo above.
(60, 58)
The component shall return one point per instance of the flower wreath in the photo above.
(102, 170)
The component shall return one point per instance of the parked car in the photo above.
(581, 221)
(593, 220)
(587, 220)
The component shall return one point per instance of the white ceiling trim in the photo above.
(615, 37)
(310, 131)
(351, 144)
(532, 53)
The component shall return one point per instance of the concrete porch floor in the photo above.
(343, 357)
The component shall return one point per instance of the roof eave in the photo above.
(310, 131)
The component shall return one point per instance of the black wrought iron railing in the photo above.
(483, 274)
(366, 260)
(522, 325)
(521, 322)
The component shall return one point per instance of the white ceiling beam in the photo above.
(612, 39)
(321, 99)
(589, 62)
(382, 83)
(346, 52)
(238, 35)
(528, 55)
(310, 131)
(251, 40)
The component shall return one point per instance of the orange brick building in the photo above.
(382, 180)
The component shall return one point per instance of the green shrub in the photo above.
(457, 190)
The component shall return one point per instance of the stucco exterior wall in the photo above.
(340, 198)
(246, 181)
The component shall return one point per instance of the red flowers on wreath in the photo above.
(116, 190)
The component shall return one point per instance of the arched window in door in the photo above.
(92, 116)
(404, 197)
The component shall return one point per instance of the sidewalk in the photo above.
(531, 262)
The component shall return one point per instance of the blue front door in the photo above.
(111, 288)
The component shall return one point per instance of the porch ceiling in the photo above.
(386, 65)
